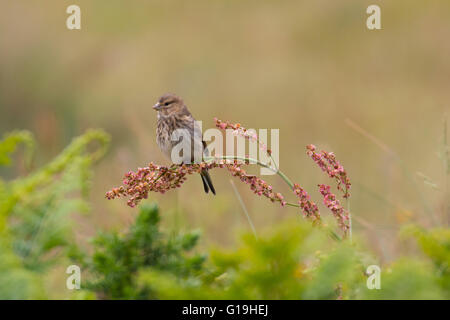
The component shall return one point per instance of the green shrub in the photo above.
(407, 279)
(293, 261)
(34, 225)
(112, 268)
(296, 261)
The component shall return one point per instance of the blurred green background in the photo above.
(310, 68)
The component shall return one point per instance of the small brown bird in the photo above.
(177, 128)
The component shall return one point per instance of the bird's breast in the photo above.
(163, 133)
(187, 140)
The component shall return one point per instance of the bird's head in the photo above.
(169, 103)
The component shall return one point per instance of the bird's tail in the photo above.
(207, 183)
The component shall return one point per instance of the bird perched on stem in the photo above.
(179, 136)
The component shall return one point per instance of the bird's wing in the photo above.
(205, 149)
(197, 142)
(189, 138)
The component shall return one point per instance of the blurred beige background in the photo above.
(308, 68)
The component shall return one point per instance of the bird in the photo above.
(172, 115)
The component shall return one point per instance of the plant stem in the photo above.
(244, 208)
(279, 173)
(349, 220)
(292, 205)
(446, 157)
(251, 160)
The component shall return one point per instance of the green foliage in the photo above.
(34, 225)
(298, 262)
(16, 282)
(116, 260)
(435, 244)
(10, 142)
(408, 279)
(294, 261)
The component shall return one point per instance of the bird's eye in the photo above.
(167, 103)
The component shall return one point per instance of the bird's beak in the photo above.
(157, 106)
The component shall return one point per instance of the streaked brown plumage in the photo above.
(172, 115)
